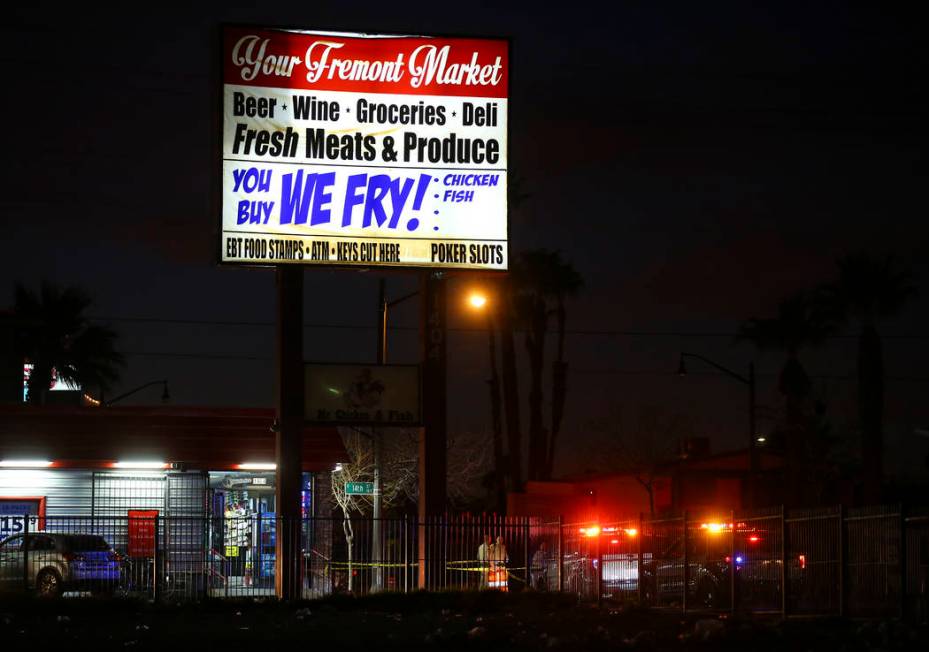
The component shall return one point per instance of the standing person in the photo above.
(539, 568)
(483, 558)
(498, 562)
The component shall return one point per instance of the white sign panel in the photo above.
(367, 150)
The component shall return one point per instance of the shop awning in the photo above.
(201, 438)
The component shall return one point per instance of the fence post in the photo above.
(526, 550)
(599, 570)
(26, 543)
(640, 584)
(733, 564)
(784, 576)
(156, 560)
(902, 561)
(406, 553)
(685, 575)
(843, 542)
(560, 553)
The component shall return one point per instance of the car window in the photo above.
(12, 544)
(86, 543)
(41, 543)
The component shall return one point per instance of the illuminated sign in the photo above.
(363, 149)
(358, 394)
(56, 385)
(14, 513)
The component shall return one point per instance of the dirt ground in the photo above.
(425, 621)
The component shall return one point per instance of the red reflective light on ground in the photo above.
(802, 561)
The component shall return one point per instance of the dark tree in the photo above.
(59, 337)
(869, 289)
(541, 282)
(801, 322)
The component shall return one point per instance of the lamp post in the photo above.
(477, 301)
(165, 396)
(383, 308)
(750, 382)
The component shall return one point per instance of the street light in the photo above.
(477, 299)
(165, 396)
(750, 382)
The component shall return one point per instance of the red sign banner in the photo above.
(377, 64)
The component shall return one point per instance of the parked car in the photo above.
(52, 564)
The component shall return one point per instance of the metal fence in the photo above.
(826, 561)
(864, 562)
(190, 558)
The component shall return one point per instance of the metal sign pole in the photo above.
(288, 438)
(432, 439)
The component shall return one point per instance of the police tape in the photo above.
(452, 565)
(358, 564)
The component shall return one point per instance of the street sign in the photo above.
(359, 488)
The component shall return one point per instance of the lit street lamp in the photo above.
(477, 300)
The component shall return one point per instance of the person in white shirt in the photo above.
(483, 557)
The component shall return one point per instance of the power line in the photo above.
(459, 329)
(607, 371)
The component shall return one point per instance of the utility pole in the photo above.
(377, 576)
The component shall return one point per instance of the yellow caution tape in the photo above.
(449, 566)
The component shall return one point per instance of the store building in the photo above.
(208, 471)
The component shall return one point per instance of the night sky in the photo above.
(696, 162)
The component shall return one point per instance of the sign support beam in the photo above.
(288, 436)
(432, 436)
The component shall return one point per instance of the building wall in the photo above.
(84, 493)
(67, 491)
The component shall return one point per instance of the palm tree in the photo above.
(870, 288)
(541, 282)
(800, 323)
(60, 338)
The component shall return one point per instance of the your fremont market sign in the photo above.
(363, 149)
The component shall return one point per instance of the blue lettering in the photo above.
(353, 197)
(378, 187)
(322, 215)
(251, 180)
(295, 197)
